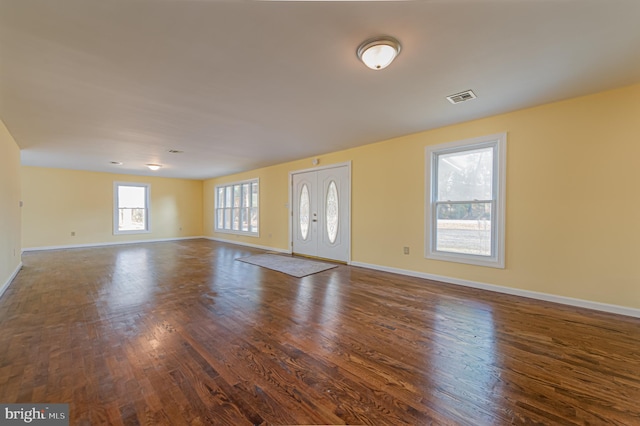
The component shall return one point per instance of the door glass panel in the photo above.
(304, 211)
(332, 211)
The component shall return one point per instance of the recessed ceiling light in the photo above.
(377, 53)
(153, 167)
(117, 163)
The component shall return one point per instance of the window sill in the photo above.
(490, 262)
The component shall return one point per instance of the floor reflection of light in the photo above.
(316, 312)
(317, 300)
(237, 286)
(464, 355)
(132, 283)
(303, 305)
(331, 305)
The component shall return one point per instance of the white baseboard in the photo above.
(6, 285)
(112, 243)
(278, 250)
(614, 309)
(581, 303)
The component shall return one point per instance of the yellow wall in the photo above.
(58, 202)
(572, 223)
(10, 245)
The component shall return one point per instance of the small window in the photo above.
(466, 201)
(236, 208)
(131, 208)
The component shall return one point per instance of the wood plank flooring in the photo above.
(179, 333)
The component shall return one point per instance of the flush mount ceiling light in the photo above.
(377, 53)
(153, 167)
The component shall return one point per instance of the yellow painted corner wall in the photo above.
(58, 202)
(572, 225)
(10, 239)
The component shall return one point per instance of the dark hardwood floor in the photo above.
(180, 333)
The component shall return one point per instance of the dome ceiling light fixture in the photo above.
(153, 167)
(377, 53)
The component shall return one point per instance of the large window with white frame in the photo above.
(237, 207)
(465, 209)
(131, 208)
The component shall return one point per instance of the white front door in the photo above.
(321, 213)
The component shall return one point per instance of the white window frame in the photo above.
(217, 207)
(499, 144)
(116, 208)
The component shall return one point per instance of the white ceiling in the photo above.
(239, 85)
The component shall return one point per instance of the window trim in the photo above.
(499, 143)
(116, 209)
(215, 208)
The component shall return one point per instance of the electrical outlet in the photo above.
(406, 250)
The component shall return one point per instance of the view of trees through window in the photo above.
(237, 207)
(464, 202)
(132, 208)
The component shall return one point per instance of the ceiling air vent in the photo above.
(461, 97)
